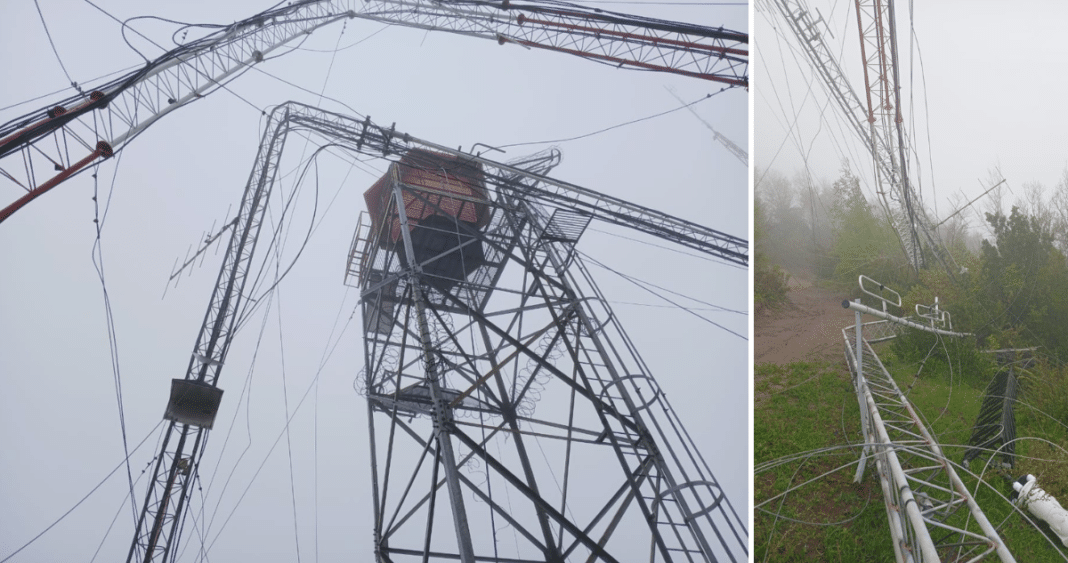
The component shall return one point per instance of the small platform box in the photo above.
(446, 203)
(193, 402)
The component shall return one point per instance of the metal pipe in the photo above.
(899, 320)
(858, 385)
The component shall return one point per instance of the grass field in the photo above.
(806, 420)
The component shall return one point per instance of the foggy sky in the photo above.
(985, 97)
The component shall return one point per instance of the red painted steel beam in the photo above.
(102, 150)
(53, 114)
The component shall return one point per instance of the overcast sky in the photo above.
(59, 405)
(987, 95)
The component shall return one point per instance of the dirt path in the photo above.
(809, 329)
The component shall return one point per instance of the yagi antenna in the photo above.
(209, 240)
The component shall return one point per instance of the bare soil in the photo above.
(809, 329)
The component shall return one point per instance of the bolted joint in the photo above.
(440, 417)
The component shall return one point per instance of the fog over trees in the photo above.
(1007, 275)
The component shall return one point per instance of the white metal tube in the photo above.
(858, 385)
(901, 321)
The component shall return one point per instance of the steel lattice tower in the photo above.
(496, 375)
(500, 384)
(877, 121)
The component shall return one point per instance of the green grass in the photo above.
(804, 407)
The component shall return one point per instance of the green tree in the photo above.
(787, 235)
(864, 242)
(769, 281)
(1024, 284)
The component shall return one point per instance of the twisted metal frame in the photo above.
(931, 513)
